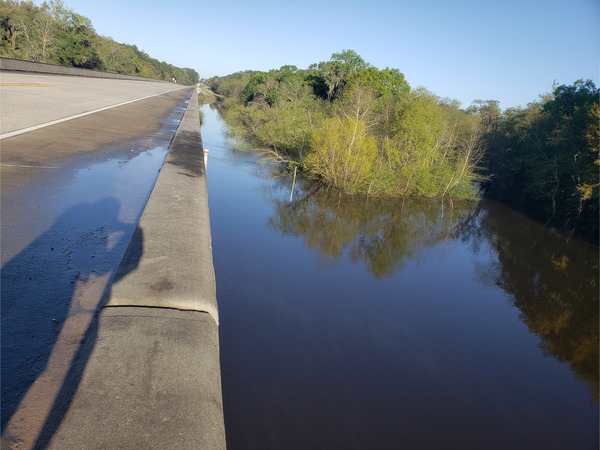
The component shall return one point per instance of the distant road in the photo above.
(71, 194)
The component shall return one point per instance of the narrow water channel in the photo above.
(362, 323)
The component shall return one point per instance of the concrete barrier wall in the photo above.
(176, 268)
(150, 374)
(18, 65)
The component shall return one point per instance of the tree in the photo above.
(383, 82)
(329, 77)
(343, 153)
(488, 111)
(9, 18)
(76, 38)
(39, 32)
(357, 103)
(115, 57)
(361, 129)
(350, 61)
(54, 33)
(544, 158)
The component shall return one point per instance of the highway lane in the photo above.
(71, 194)
(34, 99)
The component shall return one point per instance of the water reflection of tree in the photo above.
(381, 233)
(553, 282)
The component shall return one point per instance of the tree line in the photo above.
(364, 130)
(359, 128)
(544, 159)
(53, 33)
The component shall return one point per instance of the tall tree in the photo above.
(343, 153)
(10, 11)
(350, 61)
(330, 76)
(383, 82)
(488, 111)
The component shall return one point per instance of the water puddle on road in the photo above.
(62, 240)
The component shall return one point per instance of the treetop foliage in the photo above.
(53, 33)
(382, 82)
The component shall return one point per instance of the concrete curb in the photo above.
(149, 376)
(17, 65)
(169, 264)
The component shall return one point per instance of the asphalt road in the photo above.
(31, 99)
(71, 194)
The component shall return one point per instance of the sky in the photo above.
(512, 51)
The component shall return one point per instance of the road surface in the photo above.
(78, 159)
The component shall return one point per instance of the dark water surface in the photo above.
(353, 323)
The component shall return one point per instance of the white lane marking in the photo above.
(25, 166)
(76, 116)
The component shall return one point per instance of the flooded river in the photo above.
(363, 323)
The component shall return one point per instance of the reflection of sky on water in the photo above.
(130, 179)
(370, 323)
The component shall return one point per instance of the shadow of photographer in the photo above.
(51, 293)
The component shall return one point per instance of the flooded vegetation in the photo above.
(355, 322)
(364, 130)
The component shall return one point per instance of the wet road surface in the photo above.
(35, 99)
(71, 196)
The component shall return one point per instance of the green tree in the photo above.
(328, 78)
(76, 38)
(383, 82)
(411, 154)
(8, 27)
(351, 62)
(38, 32)
(115, 57)
(545, 159)
(343, 153)
(488, 111)
(368, 134)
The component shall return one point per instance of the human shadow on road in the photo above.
(58, 279)
(129, 263)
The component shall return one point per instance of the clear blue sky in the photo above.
(506, 50)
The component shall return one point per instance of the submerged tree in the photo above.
(359, 128)
(343, 153)
(543, 158)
